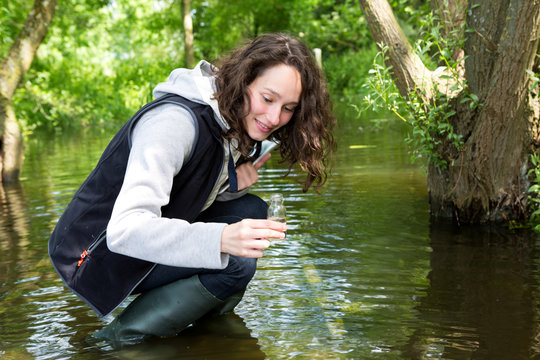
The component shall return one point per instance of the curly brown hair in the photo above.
(307, 138)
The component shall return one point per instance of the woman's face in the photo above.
(273, 97)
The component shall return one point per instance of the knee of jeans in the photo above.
(242, 269)
(258, 206)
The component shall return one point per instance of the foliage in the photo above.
(432, 136)
(347, 72)
(534, 171)
(219, 25)
(534, 192)
(101, 58)
(96, 66)
(13, 15)
(340, 30)
(337, 27)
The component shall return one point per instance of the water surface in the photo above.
(363, 273)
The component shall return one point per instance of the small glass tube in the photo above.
(276, 210)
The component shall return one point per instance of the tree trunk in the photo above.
(12, 70)
(11, 157)
(188, 34)
(408, 70)
(487, 181)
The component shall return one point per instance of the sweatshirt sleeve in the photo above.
(161, 142)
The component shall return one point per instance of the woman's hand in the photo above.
(246, 173)
(249, 237)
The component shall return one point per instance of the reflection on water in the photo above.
(481, 294)
(363, 274)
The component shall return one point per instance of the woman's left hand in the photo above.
(247, 173)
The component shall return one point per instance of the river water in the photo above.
(363, 273)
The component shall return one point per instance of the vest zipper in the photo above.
(92, 246)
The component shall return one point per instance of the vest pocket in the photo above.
(102, 236)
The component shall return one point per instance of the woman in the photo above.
(166, 212)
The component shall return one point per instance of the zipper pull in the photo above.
(83, 255)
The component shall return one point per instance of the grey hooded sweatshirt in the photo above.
(161, 142)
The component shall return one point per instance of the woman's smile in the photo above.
(262, 126)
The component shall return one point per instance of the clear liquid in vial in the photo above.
(276, 211)
(281, 220)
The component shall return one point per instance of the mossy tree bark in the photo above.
(487, 181)
(12, 70)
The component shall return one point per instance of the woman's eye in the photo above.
(288, 109)
(267, 99)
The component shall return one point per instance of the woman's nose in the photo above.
(273, 115)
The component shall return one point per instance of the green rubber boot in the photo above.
(226, 305)
(163, 311)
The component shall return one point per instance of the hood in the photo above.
(196, 85)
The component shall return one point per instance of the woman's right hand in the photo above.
(249, 237)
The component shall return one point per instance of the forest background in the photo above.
(101, 58)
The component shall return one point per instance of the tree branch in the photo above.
(408, 71)
(22, 52)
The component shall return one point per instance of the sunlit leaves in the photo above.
(432, 137)
(12, 17)
(97, 65)
(101, 58)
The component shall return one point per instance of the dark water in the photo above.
(363, 273)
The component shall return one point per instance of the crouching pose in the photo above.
(166, 214)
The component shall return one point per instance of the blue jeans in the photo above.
(238, 273)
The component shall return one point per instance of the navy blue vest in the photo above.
(78, 247)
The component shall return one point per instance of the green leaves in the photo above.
(432, 135)
(12, 17)
(101, 57)
(97, 65)
(533, 77)
(534, 191)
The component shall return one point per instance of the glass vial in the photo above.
(276, 210)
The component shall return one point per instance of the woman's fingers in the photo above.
(261, 161)
(249, 237)
(252, 229)
(260, 229)
(247, 175)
